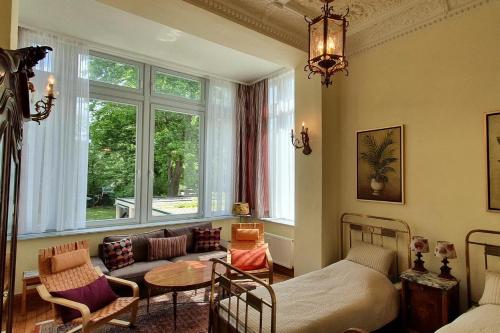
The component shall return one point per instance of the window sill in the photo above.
(290, 223)
(119, 227)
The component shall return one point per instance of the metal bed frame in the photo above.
(237, 296)
(348, 221)
(232, 289)
(489, 250)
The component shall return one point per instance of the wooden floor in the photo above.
(38, 311)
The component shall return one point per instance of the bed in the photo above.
(479, 318)
(333, 299)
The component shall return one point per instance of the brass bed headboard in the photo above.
(361, 223)
(489, 250)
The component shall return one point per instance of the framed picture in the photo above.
(380, 164)
(493, 159)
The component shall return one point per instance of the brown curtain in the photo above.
(252, 162)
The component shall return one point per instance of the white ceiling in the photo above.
(112, 28)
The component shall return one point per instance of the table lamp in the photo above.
(241, 209)
(445, 250)
(419, 245)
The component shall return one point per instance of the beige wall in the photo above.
(308, 176)
(9, 16)
(438, 82)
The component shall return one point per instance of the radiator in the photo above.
(281, 249)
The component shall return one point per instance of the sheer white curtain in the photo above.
(220, 148)
(281, 153)
(54, 167)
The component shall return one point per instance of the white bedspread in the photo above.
(483, 319)
(330, 300)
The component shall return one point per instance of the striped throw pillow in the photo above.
(372, 256)
(166, 248)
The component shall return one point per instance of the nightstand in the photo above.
(428, 301)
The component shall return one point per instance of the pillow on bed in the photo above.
(372, 256)
(491, 293)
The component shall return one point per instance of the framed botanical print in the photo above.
(380, 164)
(493, 160)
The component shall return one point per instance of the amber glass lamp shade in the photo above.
(326, 44)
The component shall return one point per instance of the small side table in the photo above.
(428, 301)
(31, 279)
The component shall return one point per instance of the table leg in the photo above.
(23, 298)
(174, 295)
(149, 297)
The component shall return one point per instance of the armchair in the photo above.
(79, 276)
(237, 243)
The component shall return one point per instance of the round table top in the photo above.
(183, 275)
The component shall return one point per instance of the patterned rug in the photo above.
(192, 316)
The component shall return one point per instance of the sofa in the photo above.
(141, 265)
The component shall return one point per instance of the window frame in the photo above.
(165, 107)
(146, 100)
(183, 100)
(138, 161)
(140, 67)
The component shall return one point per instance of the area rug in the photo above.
(192, 315)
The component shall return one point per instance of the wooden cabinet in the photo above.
(428, 302)
(15, 71)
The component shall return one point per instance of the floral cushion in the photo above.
(206, 239)
(118, 254)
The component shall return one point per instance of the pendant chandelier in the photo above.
(327, 43)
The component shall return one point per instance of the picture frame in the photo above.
(492, 147)
(380, 164)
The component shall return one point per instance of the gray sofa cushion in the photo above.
(137, 271)
(188, 231)
(96, 261)
(139, 242)
(201, 256)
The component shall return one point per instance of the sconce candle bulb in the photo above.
(44, 106)
(303, 142)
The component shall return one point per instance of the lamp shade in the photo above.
(445, 250)
(419, 244)
(241, 208)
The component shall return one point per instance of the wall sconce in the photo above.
(303, 142)
(44, 106)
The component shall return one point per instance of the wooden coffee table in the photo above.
(180, 276)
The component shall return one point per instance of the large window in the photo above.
(139, 172)
(111, 160)
(176, 185)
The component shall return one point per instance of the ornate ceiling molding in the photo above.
(372, 22)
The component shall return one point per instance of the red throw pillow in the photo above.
(249, 260)
(166, 248)
(96, 295)
(206, 239)
(118, 254)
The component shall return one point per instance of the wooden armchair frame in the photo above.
(88, 321)
(248, 245)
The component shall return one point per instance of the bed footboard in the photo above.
(234, 307)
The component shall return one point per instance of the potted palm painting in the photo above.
(380, 164)
(493, 159)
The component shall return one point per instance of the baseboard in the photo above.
(283, 270)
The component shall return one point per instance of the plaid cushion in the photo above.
(118, 254)
(206, 239)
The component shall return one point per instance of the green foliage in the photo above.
(113, 72)
(379, 156)
(112, 141)
(101, 213)
(177, 86)
(176, 151)
(112, 149)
